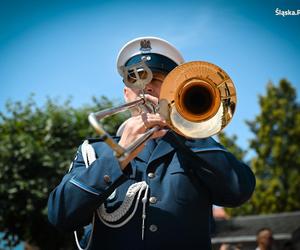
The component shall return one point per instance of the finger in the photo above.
(152, 117)
(146, 125)
(154, 122)
(152, 99)
(159, 133)
(150, 120)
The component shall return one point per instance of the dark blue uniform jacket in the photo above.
(185, 177)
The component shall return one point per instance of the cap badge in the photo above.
(145, 45)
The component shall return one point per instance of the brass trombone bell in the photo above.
(197, 99)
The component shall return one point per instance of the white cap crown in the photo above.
(147, 45)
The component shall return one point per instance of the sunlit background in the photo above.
(63, 49)
(69, 48)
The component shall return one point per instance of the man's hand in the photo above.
(136, 126)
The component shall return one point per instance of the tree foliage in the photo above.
(37, 146)
(276, 144)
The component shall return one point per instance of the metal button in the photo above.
(106, 178)
(153, 200)
(151, 175)
(153, 228)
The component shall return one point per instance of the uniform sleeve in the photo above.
(229, 181)
(72, 203)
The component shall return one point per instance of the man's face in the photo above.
(152, 88)
(265, 238)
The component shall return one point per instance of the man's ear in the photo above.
(125, 92)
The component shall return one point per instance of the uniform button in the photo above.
(151, 175)
(153, 228)
(106, 178)
(153, 200)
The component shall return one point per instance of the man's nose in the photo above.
(149, 89)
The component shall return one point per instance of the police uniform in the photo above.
(176, 181)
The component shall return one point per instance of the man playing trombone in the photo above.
(158, 195)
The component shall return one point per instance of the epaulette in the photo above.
(198, 145)
(207, 144)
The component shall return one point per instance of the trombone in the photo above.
(197, 99)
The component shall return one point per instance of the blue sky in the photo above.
(69, 48)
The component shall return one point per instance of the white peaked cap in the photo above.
(147, 45)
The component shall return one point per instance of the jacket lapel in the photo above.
(152, 152)
(145, 154)
(164, 146)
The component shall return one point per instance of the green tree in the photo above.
(37, 146)
(276, 144)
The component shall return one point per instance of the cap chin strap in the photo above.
(137, 75)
